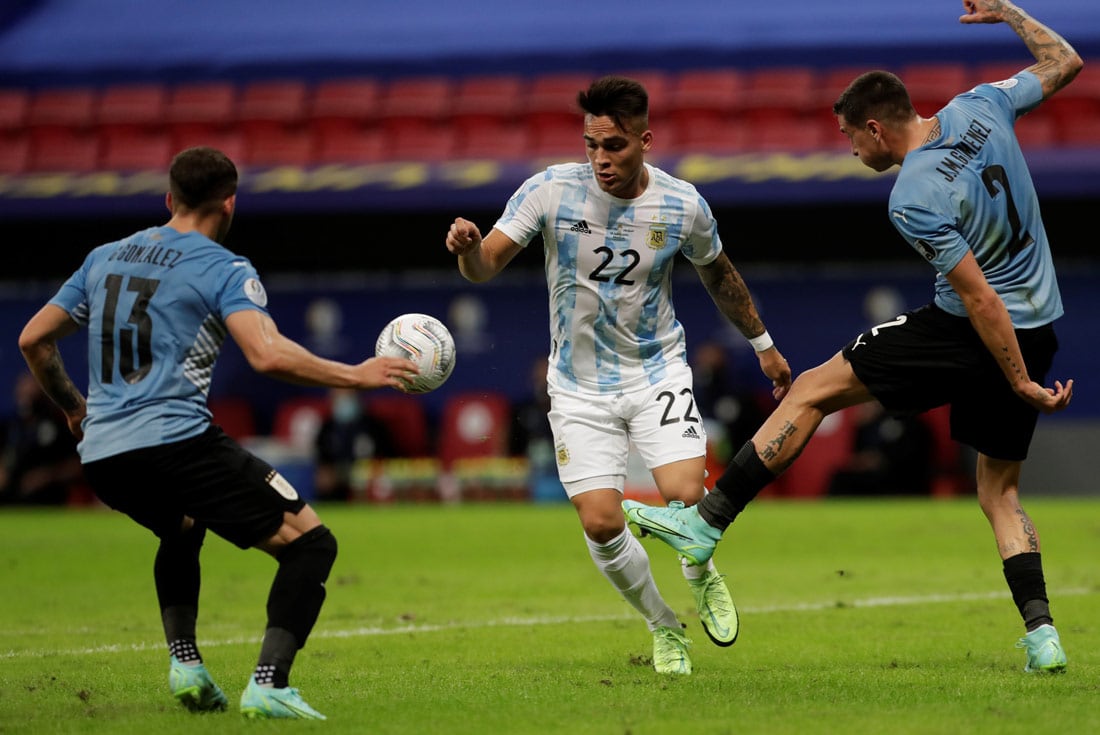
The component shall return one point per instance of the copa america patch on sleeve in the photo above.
(255, 292)
(282, 486)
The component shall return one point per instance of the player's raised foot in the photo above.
(681, 528)
(194, 689)
(717, 612)
(1044, 650)
(670, 651)
(268, 703)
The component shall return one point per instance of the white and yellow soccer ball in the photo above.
(424, 340)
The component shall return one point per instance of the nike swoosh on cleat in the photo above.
(661, 527)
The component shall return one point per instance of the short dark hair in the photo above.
(621, 99)
(202, 177)
(874, 94)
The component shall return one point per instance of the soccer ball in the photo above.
(424, 340)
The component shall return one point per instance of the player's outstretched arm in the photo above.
(479, 259)
(38, 343)
(732, 297)
(277, 356)
(1058, 63)
(991, 321)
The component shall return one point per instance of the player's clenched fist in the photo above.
(463, 237)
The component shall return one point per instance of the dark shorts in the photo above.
(209, 478)
(927, 358)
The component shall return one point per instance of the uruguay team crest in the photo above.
(657, 237)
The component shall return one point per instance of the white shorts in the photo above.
(593, 434)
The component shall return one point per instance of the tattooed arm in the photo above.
(38, 343)
(1057, 63)
(731, 295)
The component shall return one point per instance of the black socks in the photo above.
(743, 479)
(1024, 574)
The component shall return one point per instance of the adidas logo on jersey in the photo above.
(581, 227)
(690, 433)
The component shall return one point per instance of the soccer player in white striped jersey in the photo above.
(618, 374)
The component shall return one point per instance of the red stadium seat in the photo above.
(950, 475)
(133, 150)
(551, 100)
(272, 102)
(297, 420)
(487, 100)
(71, 107)
(416, 101)
(351, 146)
(1076, 108)
(771, 93)
(279, 147)
(1037, 129)
(559, 142)
(15, 153)
(932, 85)
(712, 94)
(344, 103)
(62, 150)
(212, 104)
(234, 416)
(421, 143)
(14, 104)
(794, 134)
(406, 421)
(229, 141)
(474, 424)
(499, 140)
(138, 106)
(658, 85)
(707, 135)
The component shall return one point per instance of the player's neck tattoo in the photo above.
(933, 133)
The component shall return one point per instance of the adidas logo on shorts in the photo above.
(581, 227)
(690, 433)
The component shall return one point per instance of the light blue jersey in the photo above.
(970, 189)
(609, 272)
(155, 306)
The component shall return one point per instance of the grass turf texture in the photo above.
(886, 616)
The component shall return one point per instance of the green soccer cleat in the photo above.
(717, 612)
(670, 651)
(1044, 650)
(681, 528)
(194, 689)
(269, 703)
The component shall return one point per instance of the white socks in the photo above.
(626, 565)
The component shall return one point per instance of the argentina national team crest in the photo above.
(657, 237)
(562, 453)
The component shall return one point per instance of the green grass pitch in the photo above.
(886, 616)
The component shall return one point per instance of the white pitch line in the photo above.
(368, 631)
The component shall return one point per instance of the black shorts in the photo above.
(927, 358)
(208, 477)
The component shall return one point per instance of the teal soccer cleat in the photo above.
(194, 689)
(670, 651)
(269, 703)
(717, 612)
(681, 528)
(1044, 650)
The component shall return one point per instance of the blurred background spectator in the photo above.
(347, 435)
(39, 465)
